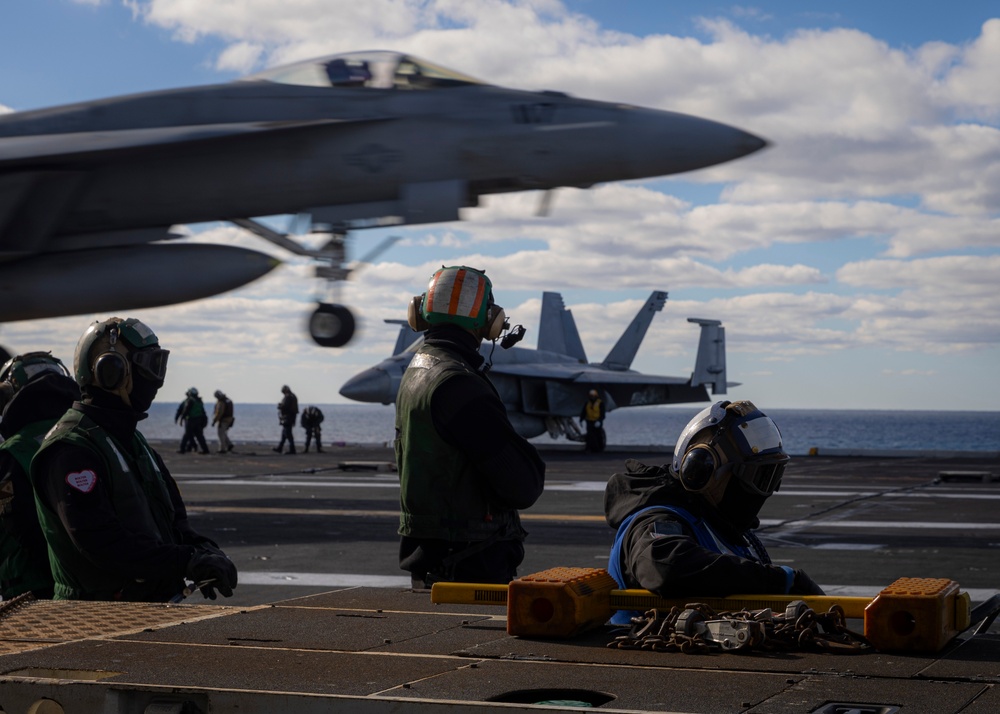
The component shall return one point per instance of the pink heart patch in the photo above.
(84, 481)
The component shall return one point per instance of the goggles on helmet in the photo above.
(151, 362)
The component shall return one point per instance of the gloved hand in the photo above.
(215, 566)
(802, 584)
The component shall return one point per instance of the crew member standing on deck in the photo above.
(312, 419)
(223, 418)
(592, 415)
(36, 390)
(288, 409)
(687, 529)
(464, 471)
(111, 513)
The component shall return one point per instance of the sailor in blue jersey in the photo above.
(687, 529)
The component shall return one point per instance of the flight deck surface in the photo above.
(323, 621)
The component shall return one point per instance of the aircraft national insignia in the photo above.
(82, 481)
(373, 157)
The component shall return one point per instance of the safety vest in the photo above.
(139, 497)
(706, 536)
(19, 571)
(592, 410)
(440, 492)
(196, 408)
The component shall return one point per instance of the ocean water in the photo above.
(802, 429)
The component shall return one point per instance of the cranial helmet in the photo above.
(458, 296)
(192, 392)
(219, 394)
(730, 440)
(22, 368)
(111, 352)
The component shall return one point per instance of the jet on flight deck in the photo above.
(91, 193)
(544, 389)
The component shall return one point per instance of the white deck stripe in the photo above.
(586, 486)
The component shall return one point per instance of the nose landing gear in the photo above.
(331, 325)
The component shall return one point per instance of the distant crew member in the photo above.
(191, 413)
(592, 415)
(36, 390)
(223, 419)
(686, 529)
(288, 409)
(114, 520)
(464, 471)
(311, 419)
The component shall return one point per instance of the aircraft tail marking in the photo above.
(710, 364)
(621, 355)
(557, 329)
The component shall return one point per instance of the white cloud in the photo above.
(873, 222)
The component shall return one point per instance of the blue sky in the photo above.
(853, 263)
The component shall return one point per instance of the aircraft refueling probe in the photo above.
(910, 615)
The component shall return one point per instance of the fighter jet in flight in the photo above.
(545, 388)
(89, 192)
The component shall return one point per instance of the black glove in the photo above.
(802, 584)
(215, 566)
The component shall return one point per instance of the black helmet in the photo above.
(730, 440)
(111, 351)
(18, 370)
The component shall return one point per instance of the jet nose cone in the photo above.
(667, 142)
(747, 143)
(372, 385)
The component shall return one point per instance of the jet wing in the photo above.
(579, 374)
(17, 149)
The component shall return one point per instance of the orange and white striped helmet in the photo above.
(458, 295)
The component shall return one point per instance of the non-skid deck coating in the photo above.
(388, 649)
(379, 646)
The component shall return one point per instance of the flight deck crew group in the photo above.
(107, 509)
(88, 510)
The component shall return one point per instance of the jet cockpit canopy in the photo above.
(376, 69)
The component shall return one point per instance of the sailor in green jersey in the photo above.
(464, 471)
(37, 390)
(112, 515)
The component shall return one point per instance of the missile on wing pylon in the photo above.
(124, 277)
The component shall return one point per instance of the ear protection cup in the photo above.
(110, 370)
(697, 467)
(414, 315)
(495, 322)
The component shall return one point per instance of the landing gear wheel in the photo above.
(331, 325)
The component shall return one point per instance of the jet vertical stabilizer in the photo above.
(557, 329)
(621, 355)
(710, 364)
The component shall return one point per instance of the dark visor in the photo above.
(152, 362)
(762, 478)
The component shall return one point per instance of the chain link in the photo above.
(698, 629)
